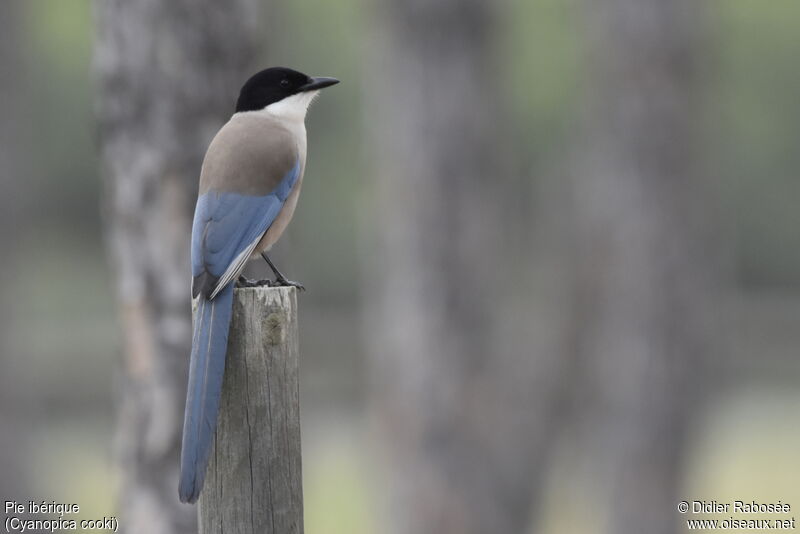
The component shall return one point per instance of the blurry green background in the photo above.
(63, 346)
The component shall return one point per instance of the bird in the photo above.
(250, 181)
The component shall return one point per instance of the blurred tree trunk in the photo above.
(645, 261)
(15, 432)
(168, 77)
(460, 405)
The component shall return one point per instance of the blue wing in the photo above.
(226, 229)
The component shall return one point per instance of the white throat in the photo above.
(293, 108)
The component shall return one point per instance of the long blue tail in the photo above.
(206, 367)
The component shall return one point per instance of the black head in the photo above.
(274, 84)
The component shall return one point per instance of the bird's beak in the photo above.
(318, 83)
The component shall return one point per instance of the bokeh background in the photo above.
(551, 248)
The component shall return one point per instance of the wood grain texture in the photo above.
(254, 483)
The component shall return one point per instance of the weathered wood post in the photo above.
(253, 484)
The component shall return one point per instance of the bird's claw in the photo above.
(281, 282)
(246, 282)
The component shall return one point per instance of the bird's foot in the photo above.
(283, 282)
(280, 282)
(246, 282)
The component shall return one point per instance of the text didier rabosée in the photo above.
(740, 507)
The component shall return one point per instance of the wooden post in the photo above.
(253, 484)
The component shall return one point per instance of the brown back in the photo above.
(249, 155)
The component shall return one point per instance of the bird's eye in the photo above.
(284, 83)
